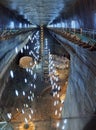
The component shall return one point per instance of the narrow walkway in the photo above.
(76, 38)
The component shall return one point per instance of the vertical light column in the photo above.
(42, 42)
(41, 49)
(44, 56)
(46, 60)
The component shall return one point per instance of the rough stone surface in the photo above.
(7, 54)
(80, 102)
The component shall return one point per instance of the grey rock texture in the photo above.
(80, 102)
(8, 54)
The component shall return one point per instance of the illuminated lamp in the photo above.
(62, 98)
(56, 73)
(26, 62)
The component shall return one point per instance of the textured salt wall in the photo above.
(7, 54)
(80, 102)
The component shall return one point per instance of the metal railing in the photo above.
(86, 36)
(9, 33)
(86, 32)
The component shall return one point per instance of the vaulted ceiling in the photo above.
(39, 12)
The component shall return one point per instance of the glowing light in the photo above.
(34, 86)
(62, 98)
(35, 62)
(11, 74)
(58, 25)
(17, 109)
(16, 92)
(58, 124)
(31, 85)
(56, 112)
(57, 79)
(54, 103)
(65, 121)
(27, 69)
(62, 101)
(9, 115)
(59, 114)
(21, 50)
(25, 47)
(20, 25)
(59, 88)
(33, 95)
(22, 111)
(11, 24)
(63, 127)
(58, 95)
(30, 117)
(53, 94)
(35, 76)
(29, 97)
(25, 25)
(29, 37)
(26, 105)
(53, 87)
(56, 86)
(60, 108)
(57, 102)
(23, 93)
(16, 50)
(26, 121)
(31, 111)
(30, 92)
(25, 80)
(74, 24)
(31, 72)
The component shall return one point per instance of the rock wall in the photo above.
(7, 55)
(80, 103)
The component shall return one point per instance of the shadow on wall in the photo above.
(91, 125)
